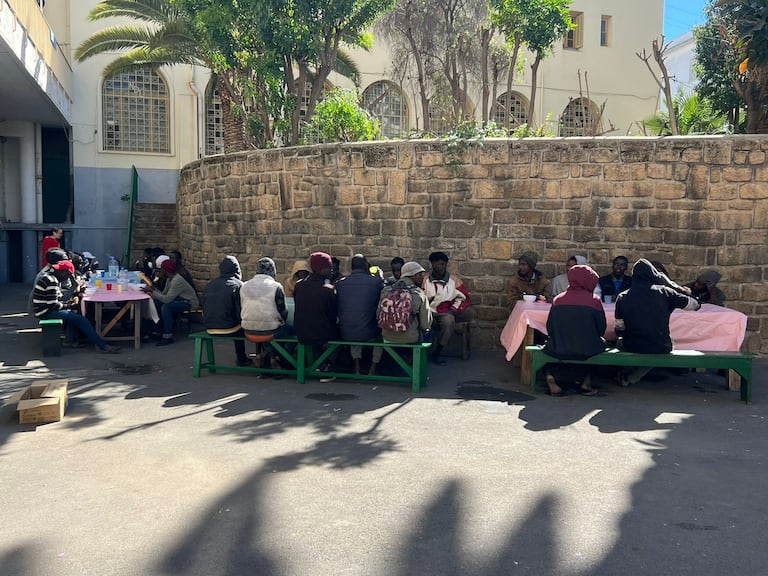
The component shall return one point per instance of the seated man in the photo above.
(449, 302)
(527, 280)
(396, 265)
(613, 284)
(403, 314)
(705, 289)
(221, 305)
(49, 304)
(263, 308)
(317, 308)
(575, 327)
(358, 296)
(181, 270)
(560, 282)
(176, 297)
(643, 311)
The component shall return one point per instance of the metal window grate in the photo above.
(135, 112)
(385, 101)
(510, 111)
(214, 126)
(580, 119)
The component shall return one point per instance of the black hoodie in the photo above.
(646, 307)
(221, 299)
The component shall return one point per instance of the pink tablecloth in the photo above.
(710, 329)
(103, 295)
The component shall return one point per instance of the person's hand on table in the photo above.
(147, 289)
(541, 298)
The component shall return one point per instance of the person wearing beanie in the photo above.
(264, 311)
(317, 308)
(221, 305)
(358, 296)
(528, 280)
(49, 303)
(449, 302)
(705, 289)
(176, 297)
(613, 284)
(412, 276)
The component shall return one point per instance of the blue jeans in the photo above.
(72, 318)
(170, 311)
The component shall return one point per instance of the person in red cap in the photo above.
(176, 297)
(317, 307)
(49, 303)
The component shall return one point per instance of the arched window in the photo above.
(443, 117)
(580, 118)
(214, 126)
(385, 101)
(136, 112)
(510, 111)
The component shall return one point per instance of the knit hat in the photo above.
(530, 257)
(55, 255)
(411, 269)
(711, 276)
(267, 266)
(581, 260)
(65, 265)
(160, 259)
(319, 261)
(168, 266)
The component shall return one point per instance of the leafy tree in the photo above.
(751, 28)
(720, 51)
(339, 118)
(546, 21)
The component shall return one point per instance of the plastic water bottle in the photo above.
(122, 280)
(113, 267)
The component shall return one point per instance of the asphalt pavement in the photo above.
(152, 471)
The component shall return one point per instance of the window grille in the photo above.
(385, 101)
(214, 125)
(580, 118)
(510, 111)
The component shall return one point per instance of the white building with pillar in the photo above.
(70, 138)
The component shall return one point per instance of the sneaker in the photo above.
(246, 362)
(165, 342)
(327, 379)
(111, 349)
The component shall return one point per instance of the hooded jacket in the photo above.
(290, 283)
(263, 305)
(646, 307)
(576, 322)
(221, 299)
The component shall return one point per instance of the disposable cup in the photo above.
(99, 283)
(109, 285)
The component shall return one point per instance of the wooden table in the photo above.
(131, 301)
(710, 329)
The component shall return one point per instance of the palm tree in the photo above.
(694, 114)
(168, 38)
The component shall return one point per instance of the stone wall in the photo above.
(689, 202)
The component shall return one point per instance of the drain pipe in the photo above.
(199, 107)
(39, 173)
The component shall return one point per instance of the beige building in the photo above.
(69, 138)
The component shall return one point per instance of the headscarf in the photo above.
(581, 260)
(160, 259)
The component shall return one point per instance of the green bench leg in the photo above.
(419, 377)
(301, 361)
(198, 357)
(211, 356)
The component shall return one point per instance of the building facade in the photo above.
(70, 138)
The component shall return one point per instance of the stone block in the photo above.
(754, 191)
(380, 156)
(754, 292)
(696, 220)
(617, 219)
(554, 171)
(680, 238)
(426, 228)
(491, 189)
(532, 188)
(639, 151)
(576, 188)
(458, 229)
(717, 151)
(692, 155)
(659, 171)
(350, 195)
(512, 231)
(710, 238)
(646, 235)
(364, 178)
(496, 249)
(737, 174)
(430, 159)
(723, 191)
(603, 155)
(493, 153)
(346, 158)
(752, 237)
(591, 170)
(669, 190)
(393, 228)
(734, 220)
(574, 155)
(520, 156)
(733, 255)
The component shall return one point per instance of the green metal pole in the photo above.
(133, 199)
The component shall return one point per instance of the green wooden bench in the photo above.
(740, 362)
(51, 330)
(203, 339)
(303, 365)
(416, 370)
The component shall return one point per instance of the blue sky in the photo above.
(682, 15)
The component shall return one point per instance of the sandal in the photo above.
(588, 391)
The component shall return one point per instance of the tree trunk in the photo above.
(534, 79)
(232, 118)
(485, 43)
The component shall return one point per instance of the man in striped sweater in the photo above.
(48, 301)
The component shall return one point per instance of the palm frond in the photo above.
(347, 67)
(113, 40)
(159, 11)
(146, 58)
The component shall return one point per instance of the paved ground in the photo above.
(155, 472)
